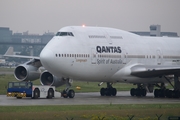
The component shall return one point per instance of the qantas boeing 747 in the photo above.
(98, 54)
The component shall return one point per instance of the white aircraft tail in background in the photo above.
(9, 52)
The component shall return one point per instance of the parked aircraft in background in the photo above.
(99, 54)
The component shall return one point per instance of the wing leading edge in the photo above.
(35, 61)
(9, 53)
(147, 71)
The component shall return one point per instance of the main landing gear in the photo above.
(109, 91)
(68, 92)
(163, 92)
(139, 91)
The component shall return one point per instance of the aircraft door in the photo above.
(93, 56)
(124, 56)
(109, 40)
(159, 57)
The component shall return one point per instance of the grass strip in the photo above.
(90, 112)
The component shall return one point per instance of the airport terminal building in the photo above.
(155, 30)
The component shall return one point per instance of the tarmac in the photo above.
(92, 98)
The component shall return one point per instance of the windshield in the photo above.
(64, 34)
(20, 85)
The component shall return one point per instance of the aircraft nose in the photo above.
(46, 57)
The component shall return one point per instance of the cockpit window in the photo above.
(64, 34)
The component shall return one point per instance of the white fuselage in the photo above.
(106, 54)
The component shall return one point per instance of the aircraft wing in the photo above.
(9, 53)
(145, 71)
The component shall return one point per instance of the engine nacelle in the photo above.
(26, 72)
(49, 79)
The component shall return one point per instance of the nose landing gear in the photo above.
(68, 92)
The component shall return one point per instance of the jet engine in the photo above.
(26, 72)
(48, 79)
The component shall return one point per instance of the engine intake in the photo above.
(49, 79)
(26, 73)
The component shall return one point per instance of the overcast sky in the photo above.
(39, 16)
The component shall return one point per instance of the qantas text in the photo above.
(108, 49)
